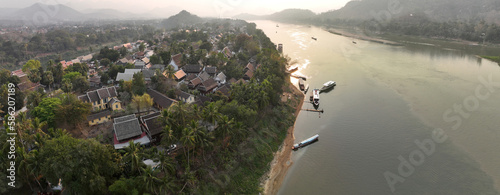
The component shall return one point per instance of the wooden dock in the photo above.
(313, 110)
(299, 77)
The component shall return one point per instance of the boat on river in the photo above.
(328, 85)
(306, 142)
(314, 38)
(316, 97)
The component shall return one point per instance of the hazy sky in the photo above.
(224, 8)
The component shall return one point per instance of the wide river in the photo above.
(411, 119)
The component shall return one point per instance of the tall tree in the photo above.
(72, 111)
(66, 85)
(80, 170)
(138, 85)
(46, 110)
(48, 79)
(133, 155)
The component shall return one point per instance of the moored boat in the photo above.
(314, 38)
(328, 85)
(306, 142)
(301, 84)
(316, 97)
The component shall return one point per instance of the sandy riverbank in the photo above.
(282, 158)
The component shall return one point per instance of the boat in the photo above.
(354, 42)
(277, 25)
(306, 142)
(314, 38)
(328, 85)
(307, 89)
(316, 97)
(301, 84)
(293, 69)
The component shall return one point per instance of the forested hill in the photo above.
(181, 19)
(288, 15)
(436, 10)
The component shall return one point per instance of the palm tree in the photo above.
(166, 163)
(168, 136)
(149, 179)
(225, 127)
(133, 156)
(180, 112)
(187, 140)
(211, 113)
(169, 72)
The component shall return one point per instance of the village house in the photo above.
(192, 69)
(210, 70)
(99, 118)
(179, 75)
(152, 126)
(127, 128)
(221, 78)
(104, 98)
(207, 86)
(24, 84)
(128, 75)
(160, 101)
(227, 53)
(176, 61)
(184, 97)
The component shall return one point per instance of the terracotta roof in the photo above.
(232, 80)
(190, 77)
(195, 82)
(179, 74)
(19, 73)
(208, 85)
(249, 74)
(250, 67)
(177, 59)
(160, 99)
(224, 90)
(104, 113)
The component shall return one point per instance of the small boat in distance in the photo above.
(316, 97)
(292, 70)
(354, 42)
(301, 84)
(314, 38)
(328, 85)
(277, 25)
(305, 142)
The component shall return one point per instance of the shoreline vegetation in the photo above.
(272, 180)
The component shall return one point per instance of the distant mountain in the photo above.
(437, 10)
(287, 15)
(43, 13)
(292, 15)
(181, 19)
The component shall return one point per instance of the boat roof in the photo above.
(329, 83)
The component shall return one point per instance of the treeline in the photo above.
(63, 39)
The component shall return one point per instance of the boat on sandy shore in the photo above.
(328, 85)
(306, 142)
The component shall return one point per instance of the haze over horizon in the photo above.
(204, 8)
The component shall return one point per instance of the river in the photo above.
(411, 119)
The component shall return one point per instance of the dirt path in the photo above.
(282, 158)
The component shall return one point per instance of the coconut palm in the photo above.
(150, 180)
(166, 163)
(169, 72)
(133, 156)
(187, 140)
(211, 113)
